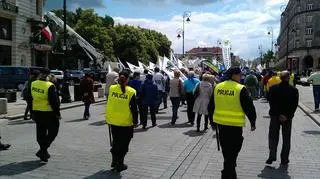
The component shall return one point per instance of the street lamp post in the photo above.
(64, 48)
(260, 51)
(270, 32)
(181, 32)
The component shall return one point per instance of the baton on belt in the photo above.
(217, 137)
(110, 136)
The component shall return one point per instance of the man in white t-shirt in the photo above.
(158, 79)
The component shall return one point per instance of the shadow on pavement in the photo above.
(98, 123)
(164, 117)
(185, 110)
(21, 167)
(20, 122)
(194, 133)
(138, 130)
(272, 172)
(312, 132)
(104, 174)
(266, 117)
(160, 112)
(77, 120)
(99, 104)
(168, 125)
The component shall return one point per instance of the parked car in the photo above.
(58, 74)
(73, 75)
(14, 77)
(98, 75)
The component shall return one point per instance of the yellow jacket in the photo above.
(273, 81)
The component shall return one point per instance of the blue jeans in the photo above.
(175, 106)
(86, 110)
(316, 96)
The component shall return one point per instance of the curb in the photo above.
(315, 117)
(18, 116)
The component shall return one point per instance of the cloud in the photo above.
(71, 4)
(167, 2)
(246, 28)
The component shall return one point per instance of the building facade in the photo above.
(21, 42)
(299, 38)
(205, 52)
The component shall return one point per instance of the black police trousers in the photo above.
(231, 142)
(47, 128)
(121, 137)
(274, 130)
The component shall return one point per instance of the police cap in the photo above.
(234, 70)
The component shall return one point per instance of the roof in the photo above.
(206, 50)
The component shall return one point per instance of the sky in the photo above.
(245, 23)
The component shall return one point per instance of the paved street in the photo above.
(17, 108)
(81, 150)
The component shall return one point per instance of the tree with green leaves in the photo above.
(267, 58)
(125, 42)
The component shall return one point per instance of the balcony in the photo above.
(10, 6)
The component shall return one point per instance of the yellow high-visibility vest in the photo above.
(273, 81)
(291, 79)
(228, 110)
(118, 111)
(39, 92)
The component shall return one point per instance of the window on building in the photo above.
(309, 6)
(38, 7)
(5, 29)
(309, 31)
(297, 44)
(297, 9)
(298, 20)
(5, 57)
(309, 42)
(309, 18)
(297, 32)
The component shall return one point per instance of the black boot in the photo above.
(114, 161)
(120, 165)
(42, 155)
(4, 146)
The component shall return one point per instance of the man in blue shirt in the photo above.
(136, 84)
(189, 86)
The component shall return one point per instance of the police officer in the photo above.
(229, 105)
(46, 113)
(121, 115)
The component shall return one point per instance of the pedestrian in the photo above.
(166, 90)
(251, 83)
(158, 79)
(275, 79)
(136, 84)
(265, 79)
(229, 104)
(34, 74)
(203, 93)
(293, 78)
(4, 146)
(175, 93)
(149, 92)
(189, 86)
(46, 113)
(144, 75)
(86, 88)
(283, 100)
(315, 80)
(121, 115)
(260, 88)
(111, 79)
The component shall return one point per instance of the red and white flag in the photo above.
(46, 32)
